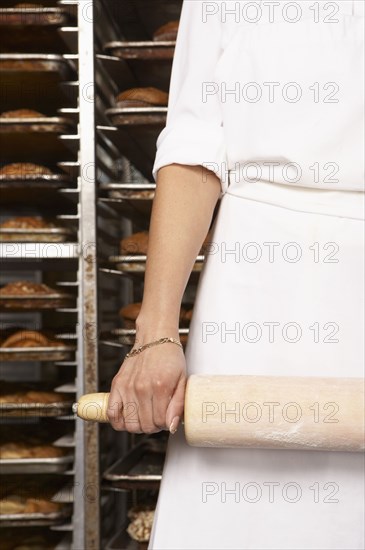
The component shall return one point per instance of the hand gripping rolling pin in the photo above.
(272, 412)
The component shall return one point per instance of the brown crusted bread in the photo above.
(29, 339)
(27, 5)
(134, 511)
(26, 288)
(21, 65)
(22, 169)
(22, 113)
(131, 194)
(27, 222)
(142, 97)
(16, 504)
(167, 32)
(130, 312)
(11, 450)
(135, 244)
(44, 397)
(188, 315)
(31, 14)
(140, 527)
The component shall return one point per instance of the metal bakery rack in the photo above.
(44, 68)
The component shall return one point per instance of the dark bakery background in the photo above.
(84, 92)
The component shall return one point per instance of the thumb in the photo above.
(175, 408)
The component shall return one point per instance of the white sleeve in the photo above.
(194, 134)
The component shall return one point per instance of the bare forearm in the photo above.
(181, 214)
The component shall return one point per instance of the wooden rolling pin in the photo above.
(272, 412)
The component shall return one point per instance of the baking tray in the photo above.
(36, 16)
(48, 487)
(137, 116)
(25, 520)
(35, 465)
(141, 468)
(34, 409)
(32, 146)
(25, 77)
(51, 353)
(141, 50)
(57, 125)
(135, 192)
(35, 29)
(139, 19)
(150, 62)
(54, 181)
(51, 235)
(133, 201)
(136, 142)
(137, 263)
(13, 65)
(33, 302)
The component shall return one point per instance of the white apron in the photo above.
(281, 293)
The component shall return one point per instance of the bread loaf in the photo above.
(167, 32)
(142, 97)
(23, 169)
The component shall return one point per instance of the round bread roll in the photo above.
(22, 169)
(142, 97)
(22, 113)
(135, 244)
(167, 32)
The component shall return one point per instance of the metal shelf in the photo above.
(44, 251)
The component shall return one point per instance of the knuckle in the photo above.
(141, 387)
(116, 426)
(133, 429)
(160, 423)
(161, 386)
(150, 429)
(159, 383)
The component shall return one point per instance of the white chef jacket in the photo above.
(269, 91)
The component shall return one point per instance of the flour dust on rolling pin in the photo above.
(275, 412)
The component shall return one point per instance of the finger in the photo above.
(176, 405)
(131, 413)
(143, 392)
(161, 398)
(115, 409)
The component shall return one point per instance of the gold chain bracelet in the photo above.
(150, 344)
